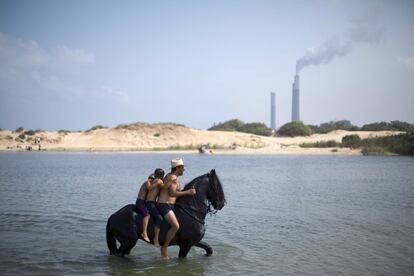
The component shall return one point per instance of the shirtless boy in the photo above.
(153, 188)
(140, 207)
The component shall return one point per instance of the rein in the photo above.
(186, 207)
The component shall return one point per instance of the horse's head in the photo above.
(215, 193)
(209, 192)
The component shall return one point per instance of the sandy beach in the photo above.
(160, 138)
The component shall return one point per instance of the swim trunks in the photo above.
(140, 207)
(155, 214)
(164, 208)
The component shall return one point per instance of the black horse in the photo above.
(125, 225)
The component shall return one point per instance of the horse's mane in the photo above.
(216, 185)
(218, 188)
(194, 181)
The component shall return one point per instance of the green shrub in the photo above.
(393, 125)
(64, 131)
(19, 129)
(256, 128)
(157, 134)
(321, 144)
(373, 151)
(293, 129)
(95, 128)
(402, 144)
(22, 136)
(237, 125)
(351, 141)
(231, 125)
(29, 132)
(333, 125)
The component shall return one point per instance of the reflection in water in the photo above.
(154, 266)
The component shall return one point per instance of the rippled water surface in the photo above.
(286, 215)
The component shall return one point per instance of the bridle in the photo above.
(206, 207)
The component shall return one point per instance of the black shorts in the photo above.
(155, 214)
(164, 208)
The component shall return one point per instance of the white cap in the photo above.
(176, 162)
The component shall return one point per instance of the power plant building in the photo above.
(295, 100)
(273, 111)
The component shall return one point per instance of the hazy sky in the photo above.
(75, 64)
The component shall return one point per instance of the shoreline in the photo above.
(246, 151)
(173, 139)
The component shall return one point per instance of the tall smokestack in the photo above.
(273, 111)
(295, 99)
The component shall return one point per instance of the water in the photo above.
(286, 215)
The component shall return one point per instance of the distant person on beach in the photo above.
(166, 200)
(153, 188)
(140, 207)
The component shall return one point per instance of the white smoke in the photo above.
(366, 29)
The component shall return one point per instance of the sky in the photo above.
(76, 64)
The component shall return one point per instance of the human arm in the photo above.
(154, 184)
(173, 189)
(148, 184)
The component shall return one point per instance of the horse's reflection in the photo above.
(154, 265)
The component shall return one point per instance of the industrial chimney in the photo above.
(295, 99)
(273, 111)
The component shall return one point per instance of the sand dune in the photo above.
(166, 137)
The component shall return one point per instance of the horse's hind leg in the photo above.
(184, 249)
(205, 246)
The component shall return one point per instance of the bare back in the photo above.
(154, 189)
(143, 191)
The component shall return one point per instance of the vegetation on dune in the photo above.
(393, 125)
(138, 125)
(293, 129)
(402, 144)
(237, 125)
(351, 141)
(95, 128)
(322, 144)
(333, 125)
(29, 132)
(19, 129)
(346, 125)
(231, 125)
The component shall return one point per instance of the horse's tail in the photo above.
(110, 240)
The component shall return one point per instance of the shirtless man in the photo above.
(153, 189)
(168, 195)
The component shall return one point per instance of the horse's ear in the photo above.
(213, 172)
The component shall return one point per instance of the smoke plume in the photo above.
(364, 29)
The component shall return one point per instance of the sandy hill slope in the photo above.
(161, 137)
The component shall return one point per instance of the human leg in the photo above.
(172, 220)
(157, 220)
(140, 207)
(144, 228)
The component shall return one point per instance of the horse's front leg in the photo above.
(184, 249)
(205, 246)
